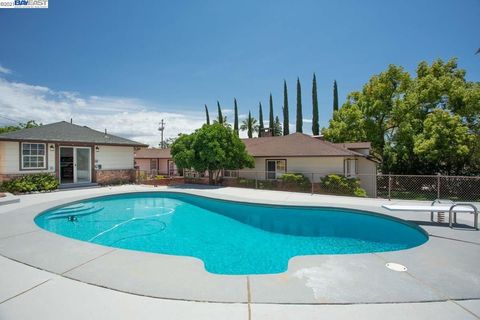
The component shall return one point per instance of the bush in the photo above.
(336, 184)
(30, 183)
(295, 182)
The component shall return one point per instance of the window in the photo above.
(33, 156)
(153, 164)
(230, 173)
(275, 168)
(350, 167)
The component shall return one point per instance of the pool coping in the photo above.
(324, 279)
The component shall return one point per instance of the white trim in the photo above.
(45, 164)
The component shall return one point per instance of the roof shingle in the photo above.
(67, 132)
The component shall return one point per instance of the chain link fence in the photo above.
(386, 186)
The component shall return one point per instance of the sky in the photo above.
(125, 65)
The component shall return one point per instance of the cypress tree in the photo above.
(335, 96)
(250, 124)
(206, 113)
(260, 119)
(299, 107)
(315, 124)
(235, 122)
(270, 118)
(277, 127)
(286, 125)
(220, 116)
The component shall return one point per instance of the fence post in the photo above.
(438, 185)
(389, 186)
(256, 180)
(313, 175)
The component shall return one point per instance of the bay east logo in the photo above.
(23, 4)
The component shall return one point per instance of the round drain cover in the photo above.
(396, 267)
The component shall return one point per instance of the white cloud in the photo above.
(127, 117)
(5, 70)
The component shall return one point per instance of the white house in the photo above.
(297, 152)
(74, 154)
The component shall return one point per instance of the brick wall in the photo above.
(115, 176)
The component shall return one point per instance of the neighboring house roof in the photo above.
(295, 145)
(355, 145)
(67, 132)
(149, 153)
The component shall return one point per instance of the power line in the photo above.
(10, 119)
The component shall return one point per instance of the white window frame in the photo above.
(22, 156)
(348, 167)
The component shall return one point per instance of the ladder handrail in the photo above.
(475, 213)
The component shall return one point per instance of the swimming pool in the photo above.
(229, 237)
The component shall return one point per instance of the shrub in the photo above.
(295, 182)
(30, 183)
(333, 183)
(160, 177)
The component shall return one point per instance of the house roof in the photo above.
(355, 145)
(153, 153)
(67, 132)
(295, 145)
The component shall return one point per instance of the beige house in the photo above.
(74, 154)
(297, 152)
(156, 161)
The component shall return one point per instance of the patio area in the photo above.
(45, 275)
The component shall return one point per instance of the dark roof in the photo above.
(67, 132)
(295, 145)
(153, 153)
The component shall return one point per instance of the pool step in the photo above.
(77, 213)
(75, 208)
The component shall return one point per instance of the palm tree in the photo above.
(250, 125)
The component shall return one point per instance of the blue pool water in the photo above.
(230, 237)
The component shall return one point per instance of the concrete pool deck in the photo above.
(40, 268)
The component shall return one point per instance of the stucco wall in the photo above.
(10, 159)
(114, 157)
(144, 165)
(367, 174)
(319, 165)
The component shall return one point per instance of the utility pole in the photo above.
(161, 128)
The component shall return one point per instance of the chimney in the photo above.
(267, 132)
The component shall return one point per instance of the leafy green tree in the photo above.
(315, 119)
(286, 115)
(277, 127)
(20, 126)
(408, 119)
(271, 120)
(235, 121)
(444, 144)
(347, 125)
(260, 119)
(299, 107)
(250, 125)
(335, 96)
(207, 115)
(211, 148)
